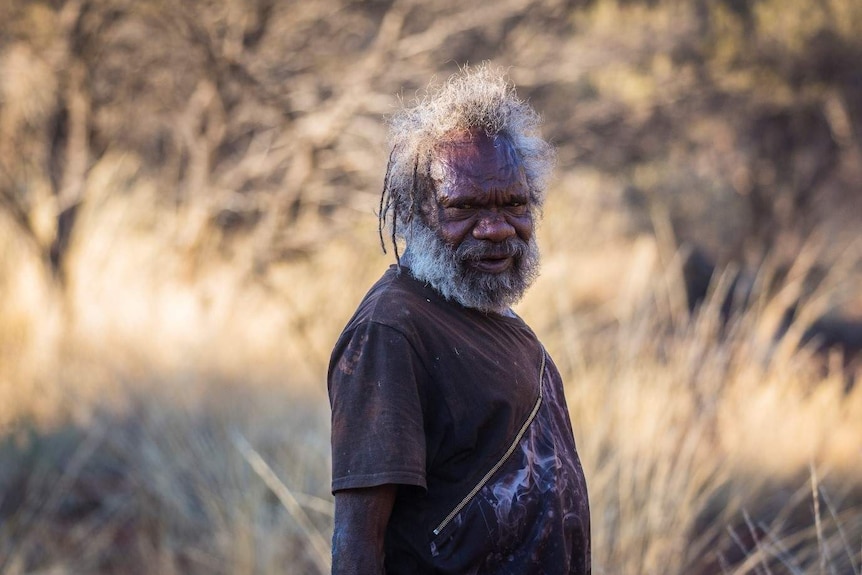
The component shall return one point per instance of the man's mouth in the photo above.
(493, 264)
(486, 257)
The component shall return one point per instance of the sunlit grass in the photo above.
(708, 447)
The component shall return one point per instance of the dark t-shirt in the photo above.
(465, 411)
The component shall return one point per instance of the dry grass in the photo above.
(702, 439)
(702, 442)
(161, 488)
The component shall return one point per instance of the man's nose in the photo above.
(492, 226)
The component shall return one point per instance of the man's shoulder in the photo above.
(399, 312)
(397, 299)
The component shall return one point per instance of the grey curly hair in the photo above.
(480, 98)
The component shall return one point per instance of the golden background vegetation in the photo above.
(187, 197)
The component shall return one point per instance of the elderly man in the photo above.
(452, 449)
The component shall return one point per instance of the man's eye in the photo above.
(465, 207)
(516, 204)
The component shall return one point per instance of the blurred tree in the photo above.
(257, 118)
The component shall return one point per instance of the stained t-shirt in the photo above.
(465, 412)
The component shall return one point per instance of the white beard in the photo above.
(447, 270)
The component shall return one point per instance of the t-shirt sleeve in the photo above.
(378, 436)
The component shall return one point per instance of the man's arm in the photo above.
(361, 516)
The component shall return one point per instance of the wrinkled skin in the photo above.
(482, 196)
(482, 199)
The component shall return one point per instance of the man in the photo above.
(452, 449)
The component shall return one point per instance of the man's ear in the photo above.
(427, 212)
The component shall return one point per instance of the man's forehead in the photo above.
(478, 154)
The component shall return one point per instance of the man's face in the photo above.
(477, 245)
(482, 198)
